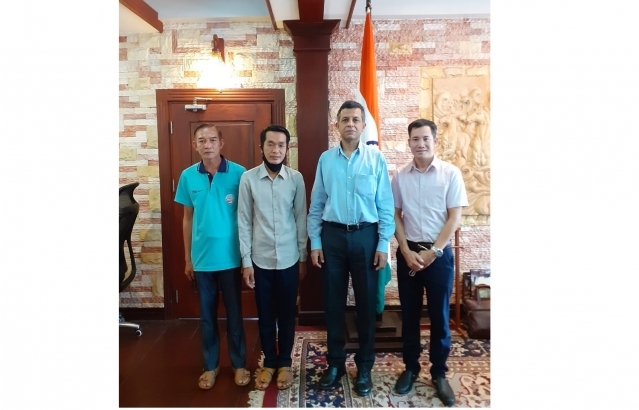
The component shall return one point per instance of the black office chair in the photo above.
(129, 209)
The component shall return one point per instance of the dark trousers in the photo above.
(276, 297)
(229, 281)
(437, 278)
(352, 252)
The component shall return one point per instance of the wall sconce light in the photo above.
(214, 72)
(218, 48)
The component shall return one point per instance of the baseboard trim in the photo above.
(308, 318)
(132, 314)
(317, 317)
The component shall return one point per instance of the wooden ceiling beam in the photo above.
(145, 12)
(270, 13)
(311, 11)
(350, 14)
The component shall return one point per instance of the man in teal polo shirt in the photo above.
(208, 190)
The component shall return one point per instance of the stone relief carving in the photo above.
(461, 110)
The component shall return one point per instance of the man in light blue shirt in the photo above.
(350, 223)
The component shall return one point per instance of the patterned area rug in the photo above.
(468, 374)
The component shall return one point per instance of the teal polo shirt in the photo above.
(215, 243)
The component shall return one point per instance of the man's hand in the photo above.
(380, 260)
(249, 277)
(317, 257)
(302, 270)
(428, 257)
(188, 270)
(414, 261)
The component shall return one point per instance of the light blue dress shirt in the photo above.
(351, 191)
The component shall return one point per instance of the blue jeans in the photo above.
(276, 297)
(229, 281)
(437, 278)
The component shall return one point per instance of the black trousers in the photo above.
(276, 297)
(352, 252)
(437, 279)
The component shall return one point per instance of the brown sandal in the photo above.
(207, 379)
(242, 376)
(284, 378)
(264, 378)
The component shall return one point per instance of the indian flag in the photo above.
(367, 96)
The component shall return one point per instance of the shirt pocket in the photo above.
(365, 185)
(437, 196)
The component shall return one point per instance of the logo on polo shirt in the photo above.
(230, 198)
(196, 191)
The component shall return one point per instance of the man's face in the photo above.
(274, 147)
(208, 143)
(422, 143)
(350, 124)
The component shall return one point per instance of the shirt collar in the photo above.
(359, 146)
(222, 168)
(262, 172)
(435, 164)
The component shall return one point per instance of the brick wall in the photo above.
(402, 48)
(263, 58)
(258, 56)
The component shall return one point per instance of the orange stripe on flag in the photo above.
(368, 74)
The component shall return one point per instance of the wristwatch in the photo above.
(438, 252)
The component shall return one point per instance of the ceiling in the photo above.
(257, 10)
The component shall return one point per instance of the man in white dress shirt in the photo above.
(272, 230)
(429, 195)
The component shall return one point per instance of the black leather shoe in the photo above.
(405, 382)
(444, 391)
(363, 382)
(331, 377)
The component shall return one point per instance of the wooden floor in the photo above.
(161, 368)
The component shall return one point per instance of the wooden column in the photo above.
(311, 44)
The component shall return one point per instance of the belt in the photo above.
(352, 227)
(419, 246)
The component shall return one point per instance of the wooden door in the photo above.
(240, 124)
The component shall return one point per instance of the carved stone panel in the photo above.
(460, 106)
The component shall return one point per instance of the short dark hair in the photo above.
(352, 104)
(423, 123)
(207, 125)
(275, 128)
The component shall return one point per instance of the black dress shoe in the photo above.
(405, 382)
(331, 377)
(363, 383)
(444, 391)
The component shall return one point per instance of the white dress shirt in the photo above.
(272, 218)
(425, 197)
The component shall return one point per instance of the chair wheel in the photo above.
(138, 332)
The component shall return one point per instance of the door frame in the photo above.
(164, 97)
